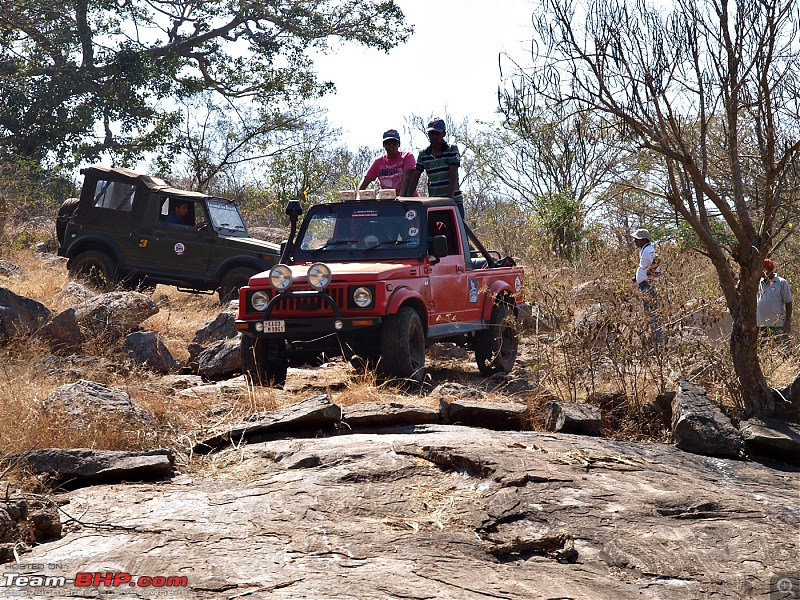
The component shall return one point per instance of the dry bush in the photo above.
(590, 333)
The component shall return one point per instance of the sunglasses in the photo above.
(391, 143)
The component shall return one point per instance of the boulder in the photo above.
(20, 315)
(84, 466)
(146, 350)
(772, 437)
(63, 333)
(375, 415)
(115, 313)
(84, 398)
(75, 293)
(500, 416)
(221, 327)
(76, 366)
(699, 426)
(572, 417)
(309, 416)
(220, 359)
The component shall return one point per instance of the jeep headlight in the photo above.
(362, 297)
(259, 301)
(319, 276)
(280, 276)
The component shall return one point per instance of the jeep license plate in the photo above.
(274, 326)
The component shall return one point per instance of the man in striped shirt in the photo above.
(440, 161)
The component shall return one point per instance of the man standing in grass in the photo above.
(647, 274)
(774, 308)
(440, 161)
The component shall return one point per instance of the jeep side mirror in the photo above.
(438, 246)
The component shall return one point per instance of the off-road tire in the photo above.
(403, 346)
(232, 281)
(496, 347)
(257, 365)
(64, 213)
(96, 267)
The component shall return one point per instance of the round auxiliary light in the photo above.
(280, 276)
(362, 297)
(319, 276)
(337, 324)
(259, 301)
(260, 327)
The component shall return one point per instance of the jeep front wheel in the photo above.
(496, 347)
(262, 364)
(95, 267)
(403, 345)
(232, 281)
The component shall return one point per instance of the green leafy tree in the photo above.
(85, 77)
(711, 89)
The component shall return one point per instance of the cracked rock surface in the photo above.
(438, 511)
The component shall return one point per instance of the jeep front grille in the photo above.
(313, 303)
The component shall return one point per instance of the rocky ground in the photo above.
(345, 487)
(440, 511)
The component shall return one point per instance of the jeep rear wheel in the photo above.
(403, 345)
(262, 364)
(232, 281)
(64, 213)
(496, 347)
(95, 267)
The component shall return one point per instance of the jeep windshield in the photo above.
(225, 218)
(354, 231)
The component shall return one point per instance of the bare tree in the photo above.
(712, 89)
(216, 138)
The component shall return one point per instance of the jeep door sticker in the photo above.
(411, 215)
(473, 291)
(179, 249)
(413, 232)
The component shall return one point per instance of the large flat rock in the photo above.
(444, 512)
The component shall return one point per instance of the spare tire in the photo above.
(64, 214)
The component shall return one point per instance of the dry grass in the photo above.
(570, 359)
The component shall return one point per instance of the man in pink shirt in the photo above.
(393, 169)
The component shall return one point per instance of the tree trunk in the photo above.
(756, 394)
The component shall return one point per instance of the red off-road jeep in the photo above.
(381, 281)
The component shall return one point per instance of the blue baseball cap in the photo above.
(391, 135)
(436, 124)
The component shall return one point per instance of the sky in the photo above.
(376, 91)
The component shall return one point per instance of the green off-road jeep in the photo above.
(134, 230)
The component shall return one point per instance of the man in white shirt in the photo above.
(647, 274)
(774, 308)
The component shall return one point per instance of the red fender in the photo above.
(498, 288)
(400, 296)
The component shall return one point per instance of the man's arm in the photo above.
(413, 180)
(365, 182)
(451, 190)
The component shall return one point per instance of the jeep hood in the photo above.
(350, 272)
(253, 244)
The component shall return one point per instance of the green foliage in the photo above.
(32, 191)
(561, 221)
(82, 78)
